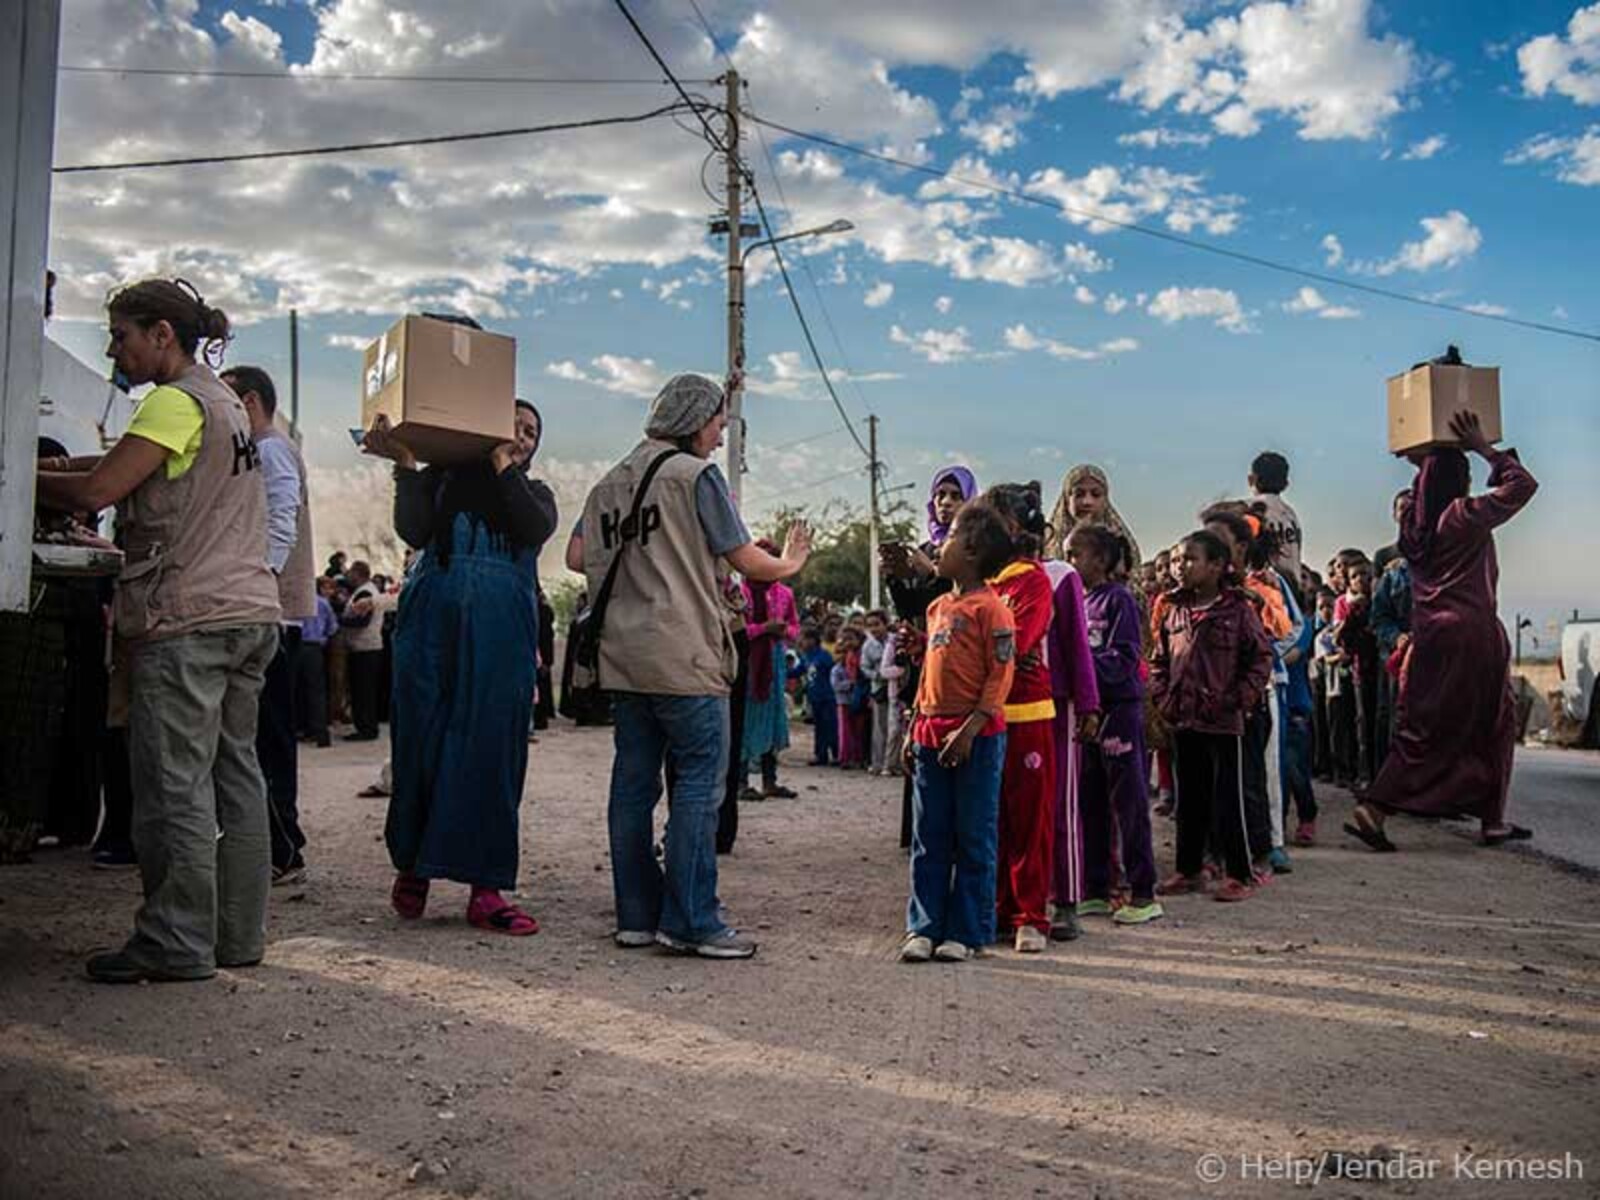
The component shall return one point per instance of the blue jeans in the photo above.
(688, 734)
(954, 842)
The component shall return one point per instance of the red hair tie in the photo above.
(1254, 522)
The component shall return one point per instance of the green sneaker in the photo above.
(1139, 914)
(1094, 908)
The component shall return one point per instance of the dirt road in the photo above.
(1428, 1004)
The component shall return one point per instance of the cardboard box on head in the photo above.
(448, 391)
(1423, 399)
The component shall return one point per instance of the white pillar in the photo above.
(29, 36)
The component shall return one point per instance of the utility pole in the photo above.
(874, 589)
(735, 381)
(294, 372)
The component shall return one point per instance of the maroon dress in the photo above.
(1451, 754)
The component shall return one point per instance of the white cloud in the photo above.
(254, 38)
(1114, 303)
(1309, 300)
(1488, 310)
(1332, 249)
(1216, 304)
(943, 305)
(1159, 137)
(878, 295)
(349, 341)
(1085, 260)
(998, 131)
(1083, 295)
(1450, 239)
(1105, 191)
(615, 373)
(935, 345)
(1019, 337)
(1425, 149)
(1568, 66)
(1577, 158)
(1311, 60)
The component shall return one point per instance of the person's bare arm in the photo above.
(754, 563)
(114, 476)
(575, 552)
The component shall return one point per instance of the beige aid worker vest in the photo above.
(297, 582)
(666, 630)
(197, 545)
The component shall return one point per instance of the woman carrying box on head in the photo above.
(1456, 727)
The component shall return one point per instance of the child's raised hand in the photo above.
(1088, 727)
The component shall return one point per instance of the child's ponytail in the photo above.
(1021, 504)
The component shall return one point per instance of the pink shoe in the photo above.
(1305, 833)
(489, 910)
(409, 895)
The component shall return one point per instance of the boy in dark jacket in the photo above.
(815, 668)
(1211, 664)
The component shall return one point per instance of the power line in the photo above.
(755, 194)
(362, 147)
(368, 77)
(1022, 197)
(804, 487)
(801, 441)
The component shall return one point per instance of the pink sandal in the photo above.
(489, 910)
(410, 895)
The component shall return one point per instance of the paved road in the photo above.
(1557, 794)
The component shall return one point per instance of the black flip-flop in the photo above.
(1375, 839)
(1516, 833)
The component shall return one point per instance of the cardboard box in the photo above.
(449, 391)
(1422, 401)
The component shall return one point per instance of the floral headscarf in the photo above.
(1062, 522)
(964, 480)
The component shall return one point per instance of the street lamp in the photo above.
(839, 226)
(736, 437)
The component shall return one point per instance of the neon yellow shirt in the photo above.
(172, 419)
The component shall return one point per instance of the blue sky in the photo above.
(999, 334)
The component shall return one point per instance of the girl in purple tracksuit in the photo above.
(1072, 685)
(1112, 785)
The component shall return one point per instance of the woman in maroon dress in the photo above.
(1451, 754)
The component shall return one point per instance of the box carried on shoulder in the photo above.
(448, 390)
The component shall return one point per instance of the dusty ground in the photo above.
(1431, 1002)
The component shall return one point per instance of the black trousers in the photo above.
(1257, 796)
(1342, 724)
(1321, 744)
(366, 674)
(278, 748)
(311, 690)
(1366, 697)
(728, 813)
(1210, 796)
(116, 827)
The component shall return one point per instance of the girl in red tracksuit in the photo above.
(1211, 665)
(1028, 780)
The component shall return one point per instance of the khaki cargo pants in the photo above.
(200, 825)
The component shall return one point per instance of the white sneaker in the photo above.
(634, 939)
(1030, 940)
(953, 952)
(916, 949)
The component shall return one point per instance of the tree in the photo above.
(838, 570)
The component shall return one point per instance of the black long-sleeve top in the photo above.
(426, 502)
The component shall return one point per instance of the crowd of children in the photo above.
(1039, 686)
(1054, 700)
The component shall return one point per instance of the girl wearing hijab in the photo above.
(1456, 724)
(1086, 499)
(914, 583)
(771, 622)
(465, 649)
